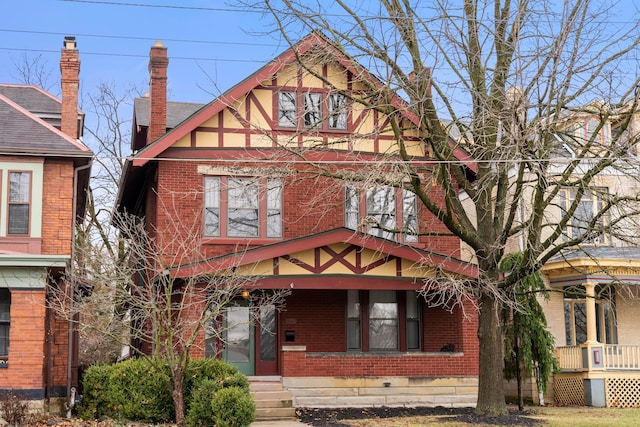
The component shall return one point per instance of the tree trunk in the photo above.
(490, 380)
(178, 397)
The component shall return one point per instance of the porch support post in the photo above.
(592, 334)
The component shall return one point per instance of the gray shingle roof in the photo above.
(31, 98)
(177, 112)
(22, 132)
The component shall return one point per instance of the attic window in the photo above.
(337, 104)
(287, 111)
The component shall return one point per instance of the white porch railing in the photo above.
(616, 357)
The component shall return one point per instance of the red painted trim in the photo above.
(340, 235)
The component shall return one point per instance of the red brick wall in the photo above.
(318, 319)
(311, 205)
(26, 341)
(57, 207)
(301, 364)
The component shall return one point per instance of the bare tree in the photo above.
(171, 299)
(34, 70)
(504, 82)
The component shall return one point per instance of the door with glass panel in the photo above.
(251, 345)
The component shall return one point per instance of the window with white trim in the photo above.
(383, 212)
(242, 207)
(591, 203)
(19, 202)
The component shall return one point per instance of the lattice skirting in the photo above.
(622, 392)
(569, 390)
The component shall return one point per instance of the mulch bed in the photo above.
(331, 417)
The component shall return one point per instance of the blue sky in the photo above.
(206, 39)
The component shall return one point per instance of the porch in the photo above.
(598, 375)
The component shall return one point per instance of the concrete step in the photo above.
(275, 403)
(275, 413)
(271, 395)
(272, 401)
(266, 386)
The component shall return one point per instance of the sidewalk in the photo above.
(278, 423)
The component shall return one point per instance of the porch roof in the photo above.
(596, 264)
(339, 253)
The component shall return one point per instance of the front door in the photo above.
(239, 339)
(251, 346)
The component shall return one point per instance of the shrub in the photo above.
(95, 403)
(135, 389)
(224, 374)
(200, 412)
(233, 407)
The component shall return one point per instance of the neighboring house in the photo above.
(595, 319)
(44, 173)
(594, 307)
(353, 331)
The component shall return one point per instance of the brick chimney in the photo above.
(69, 70)
(158, 63)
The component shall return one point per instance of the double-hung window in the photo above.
(242, 207)
(5, 322)
(19, 202)
(383, 212)
(588, 207)
(387, 319)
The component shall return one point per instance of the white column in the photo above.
(592, 333)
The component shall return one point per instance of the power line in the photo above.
(108, 36)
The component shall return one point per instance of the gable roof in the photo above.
(312, 41)
(32, 98)
(339, 235)
(25, 133)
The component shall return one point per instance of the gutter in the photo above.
(71, 393)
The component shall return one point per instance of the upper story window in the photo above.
(244, 207)
(591, 131)
(384, 211)
(590, 204)
(316, 109)
(287, 109)
(19, 202)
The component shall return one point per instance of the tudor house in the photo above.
(354, 330)
(44, 174)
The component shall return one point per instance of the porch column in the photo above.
(592, 334)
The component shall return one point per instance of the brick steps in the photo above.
(273, 402)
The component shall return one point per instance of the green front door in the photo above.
(239, 339)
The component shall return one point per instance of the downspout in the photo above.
(71, 393)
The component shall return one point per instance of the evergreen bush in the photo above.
(233, 407)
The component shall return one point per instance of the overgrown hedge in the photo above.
(136, 390)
